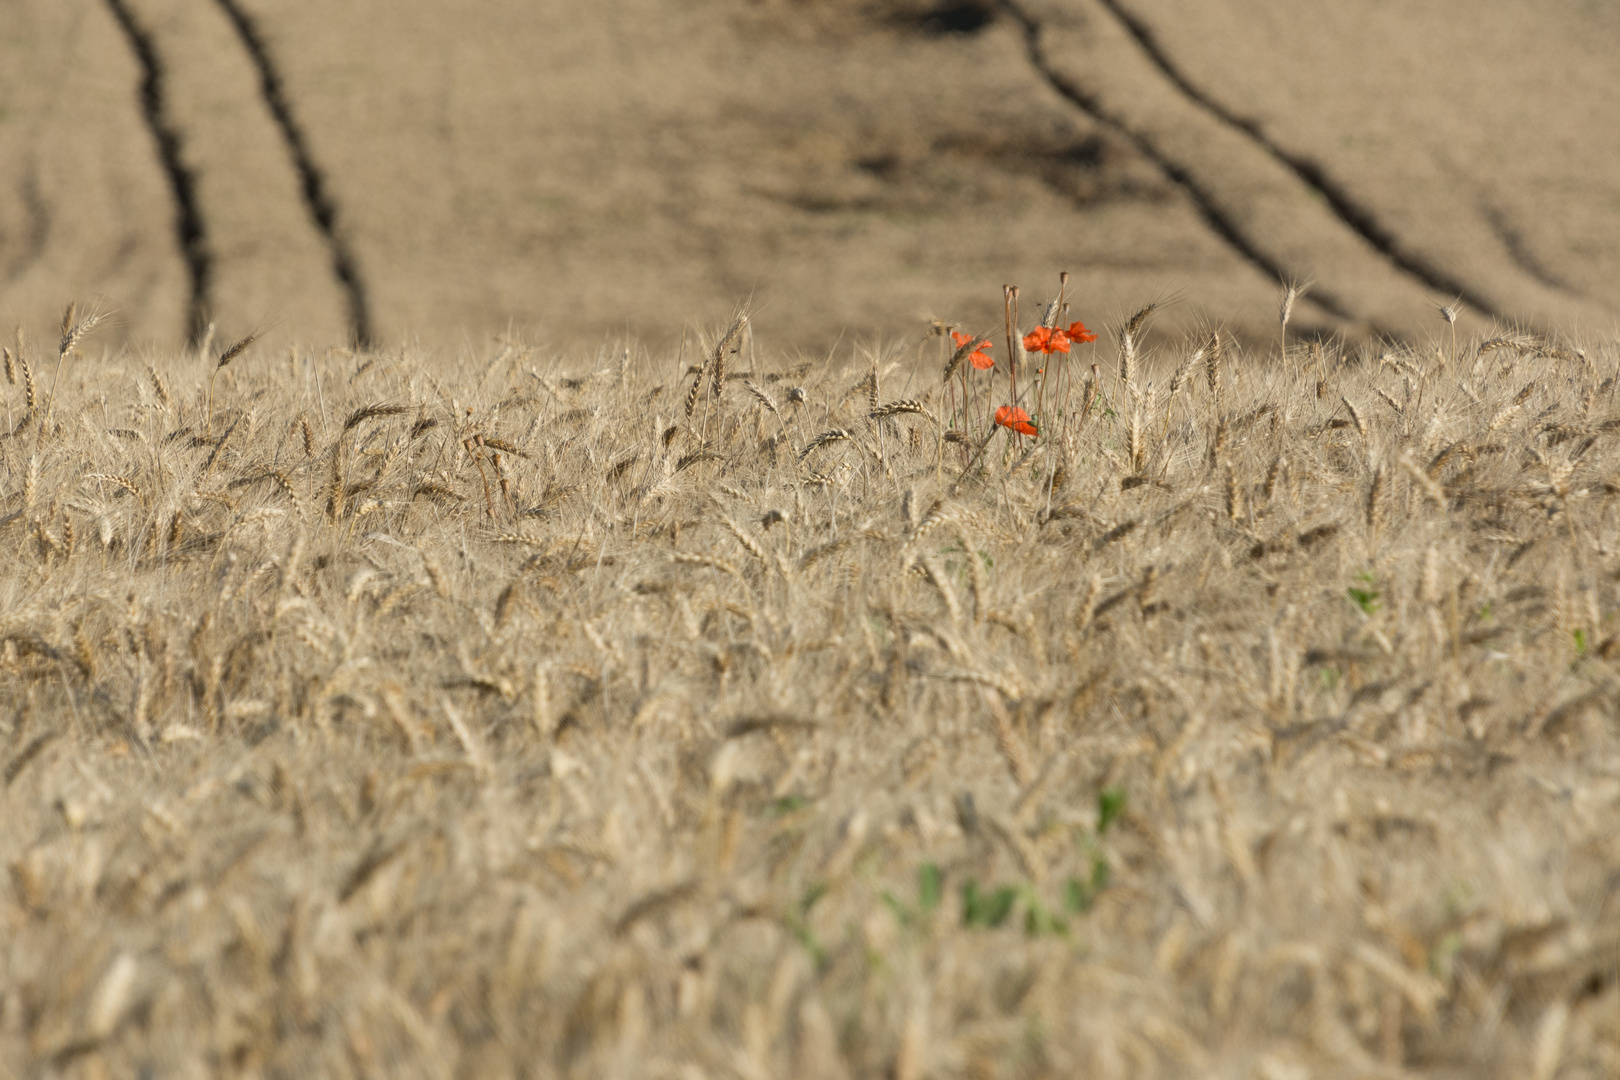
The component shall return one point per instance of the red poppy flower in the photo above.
(976, 357)
(1010, 417)
(1078, 332)
(1046, 339)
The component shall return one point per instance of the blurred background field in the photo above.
(634, 167)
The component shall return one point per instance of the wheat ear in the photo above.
(226, 357)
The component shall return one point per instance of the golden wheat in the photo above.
(559, 736)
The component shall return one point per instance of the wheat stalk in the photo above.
(692, 394)
(1376, 507)
(902, 407)
(941, 715)
(1234, 496)
(826, 438)
(74, 331)
(1214, 354)
(1355, 417)
(727, 345)
(1184, 373)
(1285, 310)
(235, 350)
(963, 351)
(29, 398)
(1129, 336)
(373, 412)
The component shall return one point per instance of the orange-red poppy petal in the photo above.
(1046, 339)
(981, 361)
(1009, 416)
(1078, 332)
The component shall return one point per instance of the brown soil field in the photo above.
(739, 715)
(417, 173)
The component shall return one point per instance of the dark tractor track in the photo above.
(1358, 218)
(38, 233)
(1518, 251)
(1202, 198)
(191, 231)
(312, 181)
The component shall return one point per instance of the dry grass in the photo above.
(379, 715)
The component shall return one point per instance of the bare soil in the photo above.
(413, 173)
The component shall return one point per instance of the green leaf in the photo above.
(1038, 921)
(930, 887)
(1365, 599)
(1000, 905)
(1099, 874)
(971, 904)
(1110, 804)
(992, 910)
(815, 892)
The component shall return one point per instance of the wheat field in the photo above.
(740, 714)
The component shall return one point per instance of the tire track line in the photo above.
(191, 231)
(1357, 217)
(38, 233)
(312, 180)
(1513, 242)
(1203, 199)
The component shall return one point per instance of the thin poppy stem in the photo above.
(1046, 372)
(1068, 392)
(1010, 305)
(1067, 386)
(1007, 314)
(1066, 375)
(967, 401)
(1040, 398)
